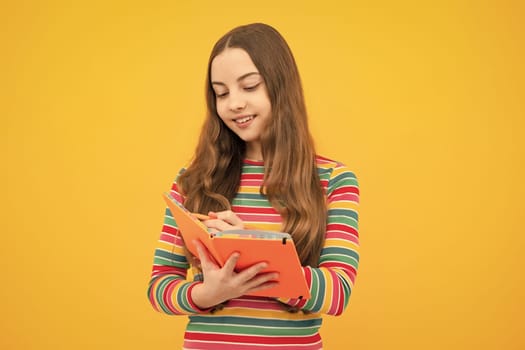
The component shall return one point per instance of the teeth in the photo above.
(244, 120)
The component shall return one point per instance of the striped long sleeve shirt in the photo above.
(258, 322)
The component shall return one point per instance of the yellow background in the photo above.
(101, 105)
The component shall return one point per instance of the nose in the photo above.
(237, 102)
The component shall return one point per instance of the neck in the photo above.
(253, 151)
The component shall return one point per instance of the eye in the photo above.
(221, 95)
(252, 88)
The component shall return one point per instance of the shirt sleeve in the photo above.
(331, 283)
(169, 292)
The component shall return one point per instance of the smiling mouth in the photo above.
(244, 119)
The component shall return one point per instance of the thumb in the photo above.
(204, 256)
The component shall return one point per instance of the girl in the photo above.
(255, 164)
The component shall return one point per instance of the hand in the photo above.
(223, 220)
(221, 284)
(219, 221)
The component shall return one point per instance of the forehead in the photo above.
(231, 64)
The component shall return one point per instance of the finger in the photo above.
(203, 254)
(229, 265)
(230, 217)
(263, 286)
(250, 272)
(218, 225)
(263, 281)
(196, 262)
(263, 278)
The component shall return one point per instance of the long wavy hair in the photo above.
(291, 181)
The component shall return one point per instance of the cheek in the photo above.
(220, 108)
(264, 102)
(267, 106)
(222, 111)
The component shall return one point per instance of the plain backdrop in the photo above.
(102, 102)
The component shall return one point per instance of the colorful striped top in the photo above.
(259, 322)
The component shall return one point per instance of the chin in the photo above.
(249, 139)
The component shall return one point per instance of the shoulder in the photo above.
(175, 185)
(334, 174)
(181, 171)
(332, 168)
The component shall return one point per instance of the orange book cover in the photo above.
(275, 248)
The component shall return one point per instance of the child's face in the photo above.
(241, 96)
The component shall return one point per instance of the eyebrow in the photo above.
(244, 76)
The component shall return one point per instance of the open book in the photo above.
(275, 248)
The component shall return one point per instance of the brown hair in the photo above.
(291, 181)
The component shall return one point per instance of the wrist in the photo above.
(201, 298)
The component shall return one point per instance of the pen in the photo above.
(206, 217)
(200, 216)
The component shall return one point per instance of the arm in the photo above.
(332, 282)
(168, 290)
(170, 293)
